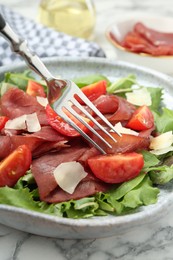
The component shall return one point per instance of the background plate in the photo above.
(45, 225)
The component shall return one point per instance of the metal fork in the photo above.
(61, 92)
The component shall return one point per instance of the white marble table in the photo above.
(149, 242)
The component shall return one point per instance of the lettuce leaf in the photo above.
(150, 160)
(156, 97)
(90, 79)
(20, 80)
(162, 174)
(160, 171)
(120, 200)
(130, 195)
(164, 121)
(143, 194)
(123, 84)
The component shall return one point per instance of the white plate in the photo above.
(46, 225)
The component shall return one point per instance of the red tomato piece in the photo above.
(15, 166)
(3, 120)
(35, 89)
(116, 168)
(61, 126)
(93, 91)
(142, 119)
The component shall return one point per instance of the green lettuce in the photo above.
(122, 85)
(159, 170)
(90, 79)
(20, 80)
(156, 97)
(120, 200)
(164, 120)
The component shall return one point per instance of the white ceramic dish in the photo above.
(123, 25)
(46, 225)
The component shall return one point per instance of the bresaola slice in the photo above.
(47, 133)
(87, 187)
(45, 140)
(15, 102)
(10, 143)
(154, 37)
(125, 143)
(44, 166)
(49, 191)
(114, 108)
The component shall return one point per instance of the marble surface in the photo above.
(149, 242)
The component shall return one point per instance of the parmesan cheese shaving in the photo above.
(162, 151)
(42, 101)
(123, 130)
(139, 97)
(68, 175)
(162, 141)
(32, 123)
(25, 122)
(18, 123)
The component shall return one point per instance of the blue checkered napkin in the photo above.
(44, 41)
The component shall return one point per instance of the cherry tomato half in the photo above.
(61, 126)
(35, 89)
(93, 91)
(116, 168)
(15, 166)
(142, 119)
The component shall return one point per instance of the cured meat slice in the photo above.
(87, 187)
(10, 143)
(45, 140)
(15, 102)
(49, 191)
(115, 108)
(155, 37)
(91, 152)
(106, 104)
(5, 146)
(43, 167)
(47, 133)
(124, 111)
(125, 143)
(50, 147)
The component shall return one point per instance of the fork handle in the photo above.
(20, 46)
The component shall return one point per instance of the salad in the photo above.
(46, 166)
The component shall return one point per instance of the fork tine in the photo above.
(78, 117)
(96, 111)
(77, 104)
(78, 129)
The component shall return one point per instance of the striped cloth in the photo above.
(44, 41)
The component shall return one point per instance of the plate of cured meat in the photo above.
(54, 183)
(143, 39)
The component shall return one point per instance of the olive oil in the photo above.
(74, 17)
